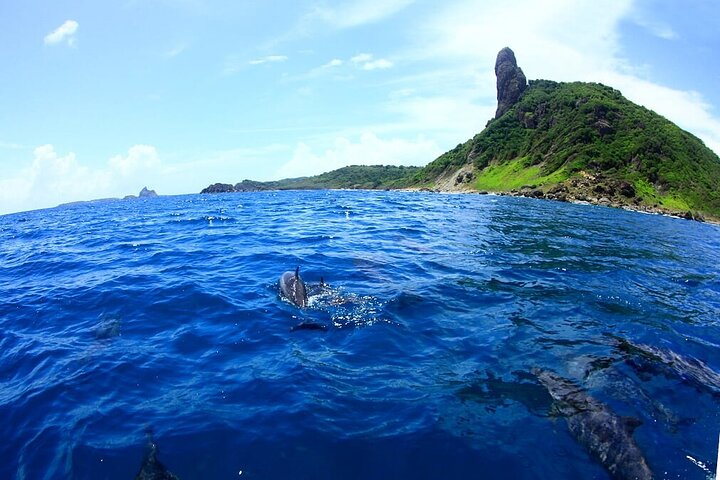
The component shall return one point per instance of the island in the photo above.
(144, 193)
(563, 141)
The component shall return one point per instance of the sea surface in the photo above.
(162, 318)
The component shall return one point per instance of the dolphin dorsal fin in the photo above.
(631, 423)
(297, 272)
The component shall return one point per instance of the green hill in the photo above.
(562, 141)
(580, 141)
(352, 177)
(560, 131)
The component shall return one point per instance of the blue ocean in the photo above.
(126, 322)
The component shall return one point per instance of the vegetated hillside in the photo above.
(566, 133)
(354, 176)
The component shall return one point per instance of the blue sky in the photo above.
(99, 99)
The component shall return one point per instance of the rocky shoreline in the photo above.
(605, 202)
(589, 190)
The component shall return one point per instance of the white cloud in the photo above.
(65, 32)
(50, 178)
(660, 30)
(368, 150)
(362, 61)
(268, 59)
(645, 17)
(236, 63)
(453, 118)
(335, 62)
(557, 39)
(361, 58)
(367, 61)
(140, 159)
(379, 64)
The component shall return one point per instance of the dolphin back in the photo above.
(293, 288)
(605, 435)
(689, 369)
(152, 469)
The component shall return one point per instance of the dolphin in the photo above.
(293, 288)
(687, 368)
(151, 468)
(605, 435)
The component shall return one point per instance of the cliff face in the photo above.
(511, 81)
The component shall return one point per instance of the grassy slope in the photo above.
(557, 130)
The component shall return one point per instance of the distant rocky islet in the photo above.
(144, 193)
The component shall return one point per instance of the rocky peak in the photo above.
(511, 81)
(145, 193)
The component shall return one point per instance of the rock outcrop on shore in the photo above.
(511, 81)
(601, 190)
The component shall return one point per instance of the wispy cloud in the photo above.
(379, 64)
(335, 62)
(356, 13)
(177, 50)
(236, 63)
(340, 16)
(658, 29)
(343, 70)
(361, 58)
(64, 33)
(10, 145)
(367, 61)
(268, 59)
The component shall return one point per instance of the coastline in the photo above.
(539, 195)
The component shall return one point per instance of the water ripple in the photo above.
(165, 314)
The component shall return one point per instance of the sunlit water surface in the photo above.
(164, 315)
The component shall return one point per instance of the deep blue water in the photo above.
(122, 317)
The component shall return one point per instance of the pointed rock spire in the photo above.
(511, 81)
